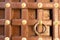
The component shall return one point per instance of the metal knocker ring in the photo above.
(35, 29)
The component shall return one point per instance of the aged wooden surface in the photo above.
(19, 17)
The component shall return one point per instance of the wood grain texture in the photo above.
(32, 14)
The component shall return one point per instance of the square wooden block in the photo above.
(47, 32)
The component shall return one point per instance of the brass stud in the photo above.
(7, 5)
(56, 38)
(24, 38)
(23, 5)
(7, 38)
(56, 23)
(7, 22)
(39, 38)
(56, 5)
(40, 5)
(24, 22)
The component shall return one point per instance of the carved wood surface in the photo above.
(18, 18)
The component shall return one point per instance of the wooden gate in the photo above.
(29, 19)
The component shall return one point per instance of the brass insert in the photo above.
(24, 22)
(7, 5)
(40, 5)
(40, 22)
(39, 38)
(56, 5)
(7, 22)
(56, 39)
(7, 38)
(24, 38)
(56, 23)
(23, 5)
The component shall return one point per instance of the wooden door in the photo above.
(29, 20)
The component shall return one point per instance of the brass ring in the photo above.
(35, 27)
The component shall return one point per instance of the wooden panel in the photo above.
(16, 30)
(32, 14)
(16, 13)
(2, 13)
(2, 30)
(46, 15)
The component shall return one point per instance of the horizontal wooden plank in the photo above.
(43, 38)
(16, 22)
(16, 5)
(32, 5)
(32, 38)
(30, 22)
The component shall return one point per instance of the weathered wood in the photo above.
(22, 16)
